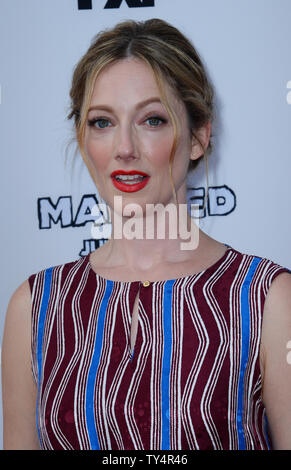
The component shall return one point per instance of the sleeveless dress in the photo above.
(193, 380)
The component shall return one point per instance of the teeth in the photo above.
(130, 177)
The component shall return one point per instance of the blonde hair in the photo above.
(173, 60)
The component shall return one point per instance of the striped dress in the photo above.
(193, 380)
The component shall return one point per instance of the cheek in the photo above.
(161, 151)
(97, 152)
(158, 151)
(183, 152)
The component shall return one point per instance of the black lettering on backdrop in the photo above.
(84, 4)
(87, 4)
(130, 3)
(60, 212)
(91, 245)
(197, 198)
(221, 200)
(84, 212)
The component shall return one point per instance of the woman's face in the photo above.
(128, 129)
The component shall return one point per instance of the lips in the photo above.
(132, 184)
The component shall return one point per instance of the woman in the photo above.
(147, 344)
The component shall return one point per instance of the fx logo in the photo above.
(87, 4)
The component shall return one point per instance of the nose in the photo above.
(125, 148)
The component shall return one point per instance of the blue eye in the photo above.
(155, 121)
(100, 123)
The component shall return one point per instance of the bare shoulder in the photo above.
(17, 328)
(275, 367)
(276, 324)
(18, 386)
(278, 300)
(19, 310)
(282, 281)
(21, 296)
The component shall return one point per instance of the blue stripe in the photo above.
(245, 339)
(90, 415)
(40, 332)
(267, 433)
(166, 366)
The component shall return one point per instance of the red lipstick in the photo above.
(129, 185)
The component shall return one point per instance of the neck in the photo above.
(152, 239)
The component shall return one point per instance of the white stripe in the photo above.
(136, 378)
(220, 355)
(203, 339)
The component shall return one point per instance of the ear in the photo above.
(203, 135)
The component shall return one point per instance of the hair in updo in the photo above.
(173, 59)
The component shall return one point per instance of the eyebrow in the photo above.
(139, 105)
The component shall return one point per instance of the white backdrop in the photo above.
(45, 204)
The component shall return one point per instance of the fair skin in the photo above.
(19, 391)
(129, 141)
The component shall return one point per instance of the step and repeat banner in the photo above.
(47, 196)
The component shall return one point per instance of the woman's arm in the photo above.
(276, 364)
(18, 386)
